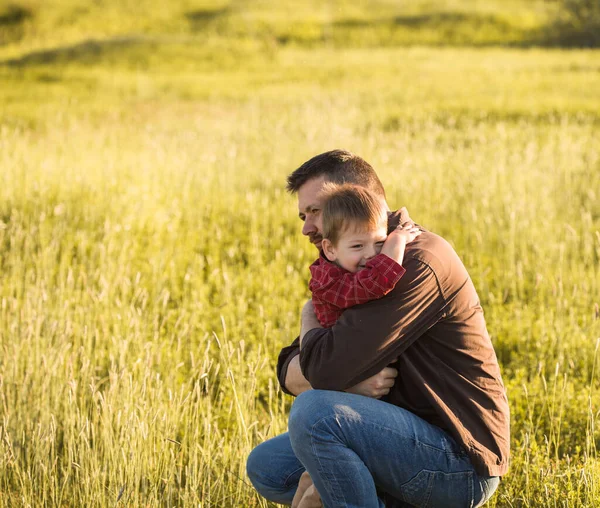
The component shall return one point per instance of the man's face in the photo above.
(309, 209)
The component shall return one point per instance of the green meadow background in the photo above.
(152, 266)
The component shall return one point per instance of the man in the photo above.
(441, 438)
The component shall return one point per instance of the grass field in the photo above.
(152, 265)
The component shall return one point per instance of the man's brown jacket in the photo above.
(433, 323)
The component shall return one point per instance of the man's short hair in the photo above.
(349, 206)
(337, 166)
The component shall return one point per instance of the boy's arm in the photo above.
(335, 289)
(368, 337)
(342, 289)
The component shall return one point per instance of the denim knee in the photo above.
(255, 464)
(259, 468)
(274, 470)
(308, 408)
(314, 406)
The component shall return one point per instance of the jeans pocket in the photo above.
(488, 486)
(433, 489)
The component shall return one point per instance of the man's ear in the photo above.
(328, 249)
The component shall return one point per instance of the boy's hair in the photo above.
(337, 166)
(350, 206)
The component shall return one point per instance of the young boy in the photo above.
(359, 261)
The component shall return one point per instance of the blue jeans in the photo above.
(360, 451)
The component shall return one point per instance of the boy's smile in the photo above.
(355, 247)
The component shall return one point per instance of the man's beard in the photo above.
(315, 239)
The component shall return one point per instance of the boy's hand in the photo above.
(306, 495)
(396, 241)
(408, 230)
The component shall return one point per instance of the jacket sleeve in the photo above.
(285, 357)
(368, 337)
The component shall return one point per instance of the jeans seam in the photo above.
(334, 489)
(432, 479)
(429, 490)
(472, 489)
(393, 431)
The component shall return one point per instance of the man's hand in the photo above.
(306, 495)
(376, 386)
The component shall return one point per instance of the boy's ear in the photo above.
(328, 249)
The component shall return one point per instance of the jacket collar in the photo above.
(398, 217)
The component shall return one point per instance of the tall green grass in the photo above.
(152, 264)
(35, 24)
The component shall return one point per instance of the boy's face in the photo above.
(309, 209)
(355, 247)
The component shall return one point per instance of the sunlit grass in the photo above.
(153, 269)
(152, 265)
(35, 24)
